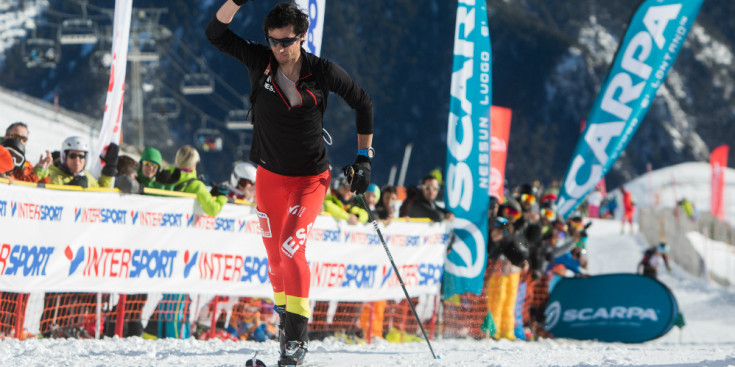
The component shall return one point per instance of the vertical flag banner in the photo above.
(649, 48)
(111, 131)
(315, 10)
(468, 149)
(718, 161)
(500, 133)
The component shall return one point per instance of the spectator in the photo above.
(126, 180)
(594, 200)
(6, 164)
(70, 171)
(628, 209)
(424, 205)
(372, 197)
(386, 206)
(242, 182)
(184, 178)
(338, 202)
(149, 166)
(652, 260)
(689, 209)
(15, 139)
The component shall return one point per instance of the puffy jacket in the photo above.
(62, 176)
(334, 206)
(189, 183)
(29, 174)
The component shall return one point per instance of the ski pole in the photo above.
(395, 268)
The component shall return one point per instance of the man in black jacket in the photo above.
(424, 205)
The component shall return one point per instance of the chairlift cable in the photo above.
(189, 105)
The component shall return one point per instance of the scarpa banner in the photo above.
(468, 149)
(649, 48)
(72, 241)
(315, 9)
(626, 308)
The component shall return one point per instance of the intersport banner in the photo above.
(315, 9)
(468, 149)
(500, 133)
(72, 241)
(718, 162)
(649, 48)
(628, 308)
(111, 131)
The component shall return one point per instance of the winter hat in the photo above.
(6, 160)
(375, 190)
(187, 158)
(151, 155)
(17, 151)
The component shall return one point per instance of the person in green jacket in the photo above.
(187, 158)
(150, 165)
(74, 157)
(340, 205)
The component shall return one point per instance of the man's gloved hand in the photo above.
(167, 177)
(79, 180)
(239, 2)
(358, 175)
(221, 190)
(110, 159)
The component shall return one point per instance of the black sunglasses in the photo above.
(285, 42)
(77, 155)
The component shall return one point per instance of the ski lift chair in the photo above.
(146, 51)
(201, 83)
(208, 140)
(78, 32)
(238, 120)
(41, 52)
(164, 107)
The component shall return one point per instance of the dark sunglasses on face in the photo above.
(285, 42)
(24, 139)
(77, 155)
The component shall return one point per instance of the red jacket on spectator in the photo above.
(28, 174)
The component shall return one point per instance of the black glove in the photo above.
(239, 2)
(80, 180)
(110, 159)
(358, 175)
(167, 177)
(221, 190)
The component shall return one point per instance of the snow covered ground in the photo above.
(708, 339)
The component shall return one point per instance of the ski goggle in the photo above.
(513, 213)
(527, 198)
(18, 158)
(244, 182)
(285, 42)
(150, 164)
(548, 213)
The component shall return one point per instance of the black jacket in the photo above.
(287, 140)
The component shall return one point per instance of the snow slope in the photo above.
(708, 339)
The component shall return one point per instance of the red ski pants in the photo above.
(287, 208)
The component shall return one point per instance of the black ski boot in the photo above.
(281, 327)
(297, 345)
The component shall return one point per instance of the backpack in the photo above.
(316, 71)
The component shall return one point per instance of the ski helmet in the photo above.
(242, 171)
(17, 151)
(73, 143)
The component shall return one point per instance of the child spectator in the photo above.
(126, 175)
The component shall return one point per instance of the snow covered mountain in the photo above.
(549, 59)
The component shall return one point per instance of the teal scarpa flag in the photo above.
(468, 150)
(649, 48)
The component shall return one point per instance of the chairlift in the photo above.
(146, 51)
(238, 120)
(41, 52)
(164, 107)
(79, 31)
(200, 83)
(208, 140)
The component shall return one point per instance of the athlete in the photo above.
(289, 89)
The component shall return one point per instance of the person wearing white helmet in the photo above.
(242, 182)
(73, 160)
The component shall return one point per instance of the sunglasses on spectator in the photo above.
(285, 42)
(431, 188)
(548, 213)
(528, 198)
(150, 164)
(24, 139)
(512, 212)
(77, 155)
